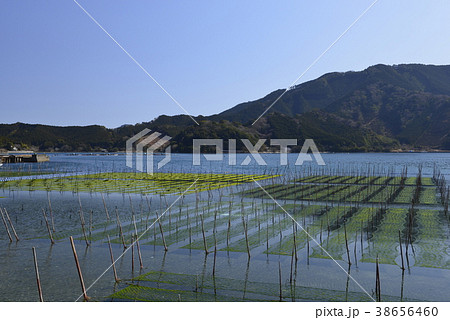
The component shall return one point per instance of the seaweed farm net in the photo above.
(141, 183)
(399, 222)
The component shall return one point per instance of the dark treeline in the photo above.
(382, 108)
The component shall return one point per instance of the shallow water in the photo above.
(57, 268)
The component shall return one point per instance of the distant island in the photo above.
(381, 109)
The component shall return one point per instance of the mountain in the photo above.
(409, 103)
(381, 108)
(329, 88)
(45, 138)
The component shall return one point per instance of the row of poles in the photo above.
(134, 239)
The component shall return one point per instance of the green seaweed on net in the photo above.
(406, 195)
(428, 195)
(285, 246)
(431, 242)
(259, 235)
(191, 287)
(385, 242)
(160, 183)
(335, 243)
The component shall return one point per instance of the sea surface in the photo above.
(56, 263)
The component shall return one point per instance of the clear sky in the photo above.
(57, 67)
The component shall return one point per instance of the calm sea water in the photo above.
(59, 276)
(338, 163)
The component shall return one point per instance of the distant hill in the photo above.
(409, 103)
(378, 109)
(45, 138)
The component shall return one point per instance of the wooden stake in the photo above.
(51, 212)
(112, 261)
(246, 237)
(321, 223)
(307, 246)
(106, 208)
(48, 227)
(137, 244)
(120, 229)
(377, 282)
(214, 262)
(411, 243)
(91, 223)
(80, 275)
(162, 232)
(132, 254)
(82, 226)
(401, 249)
(139, 253)
(229, 227)
(346, 245)
(362, 236)
(295, 243)
(12, 226)
(279, 275)
(6, 226)
(203, 234)
(406, 253)
(38, 280)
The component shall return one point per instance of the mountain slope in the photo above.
(378, 109)
(327, 89)
(410, 103)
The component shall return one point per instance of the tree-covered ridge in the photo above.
(378, 109)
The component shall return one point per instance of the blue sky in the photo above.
(57, 67)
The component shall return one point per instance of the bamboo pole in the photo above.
(295, 242)
(162, 232)
(321, 223)
(51, 212)
(246, 237)
(401, 249)
(11, 224)
(377, 281)
(203, 234)
(120, 229)
(229, 227)
(346, 245)
(38, 280)
(48, 227)
(214, 262)
(132, 254)
(91, 223)
(280, 281)
(411, 243)
(6, 226)
(362, 236)
(80, 212)
(292, 264)
(112, 261)
(307, 246)
(137, 244)
(106, 208)
(190, 230)
(80, 275)
(139, 253)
